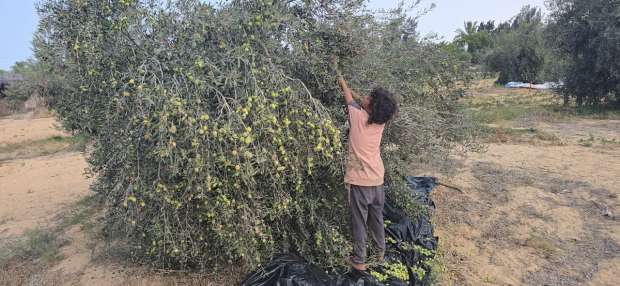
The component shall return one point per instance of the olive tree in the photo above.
(219, 130)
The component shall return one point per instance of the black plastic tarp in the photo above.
(421, 188)
(292, 270)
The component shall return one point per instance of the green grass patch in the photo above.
(509, 105)
(599, 142)
(82, 214)
(36, 244)
(47, 146)
(501, 113)
(587, 142)
(502, 105)
(519, 135)
(44, 244)
(439, 269)
(606, 141)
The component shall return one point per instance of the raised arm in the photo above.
(348, 93)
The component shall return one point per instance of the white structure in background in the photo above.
(546, 85)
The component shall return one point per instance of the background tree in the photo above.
(585, 34)
(2, 84)
(475, 38)
(518, 52)
(32, 80)
(24, 80)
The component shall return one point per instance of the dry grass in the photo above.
(26, 260)
(233, 277)
(541, 243)
(29, 274)
(514, 211)
(9, 107)
(499, 134)
(83, 213)
(499, 105)
(5, 219)
(600, 142)
(51, 145)
(36, 244)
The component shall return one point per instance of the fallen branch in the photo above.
(450, 186)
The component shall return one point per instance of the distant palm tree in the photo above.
(474, 38)
(469, 29)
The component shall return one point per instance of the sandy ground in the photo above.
(530, 214)
(535, 214)
(35, 190)
(18, 129)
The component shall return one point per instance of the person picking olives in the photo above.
(364, 169)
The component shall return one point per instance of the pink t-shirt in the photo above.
(364, 164)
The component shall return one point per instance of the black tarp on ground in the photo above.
(292, 270)
(421, 187)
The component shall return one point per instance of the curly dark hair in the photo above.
(382, 106)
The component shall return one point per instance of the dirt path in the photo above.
(535, 215)
(35, 190)
(18, 129)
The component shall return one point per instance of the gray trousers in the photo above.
(366, 213)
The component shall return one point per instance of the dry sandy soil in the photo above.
(532, 213)
(24, 128)
(536, 212)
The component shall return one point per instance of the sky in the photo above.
(18, 20)
(449, 15)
